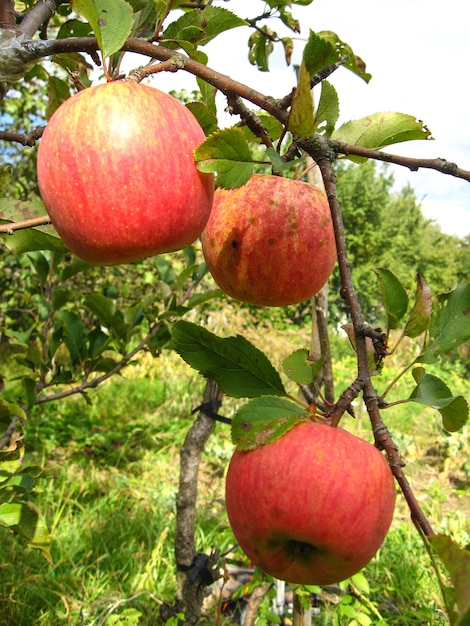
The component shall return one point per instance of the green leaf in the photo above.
(354, 63)
(457, 563)
(208, 93)
(111, 20)
(5, 176)
(12, 453)
(24, 519)
(97, 342)
(300, 368)
(58, 91)
(288, 44)
(201, 298)
(319, 53)
(381, 129)
(288, 19)
(450, 326)
(394, 296)
(31, 239)
(13, 210)
(328, 110)
(193, 52)
(207, 120)
(260, 48)
(74, 333)
(278, 163)
(227, 153)
(74, 28)
(18, 483)
(361, 582)
(433, 392)
(198, 27)
(263, 420)
(236, 365)
(145, 17)
(420, 317)
(301, 116)
(103, 307)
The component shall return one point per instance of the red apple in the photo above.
(271, 241)
(117, 174)
(313, 507)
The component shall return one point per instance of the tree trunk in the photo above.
(195, 571)
(302, 615)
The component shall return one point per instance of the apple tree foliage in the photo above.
(60, 335)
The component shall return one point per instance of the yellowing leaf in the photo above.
(457, 563)
(420, 316)
(301, 115)
(263, 420)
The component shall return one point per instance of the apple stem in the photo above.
(305, 171)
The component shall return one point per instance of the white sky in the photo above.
(417, 52)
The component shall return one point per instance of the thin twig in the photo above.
(383, 439)
(37, 15)
(177, 62)
(28, 139)
(236, 106)
(414, 164)
(9, 229)
(9, 432)
(95, 382)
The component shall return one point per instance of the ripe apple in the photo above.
(117, 174)
(312, 507)
(271, 241)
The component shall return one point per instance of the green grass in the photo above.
(110, 503)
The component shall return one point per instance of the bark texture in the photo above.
(195, 570)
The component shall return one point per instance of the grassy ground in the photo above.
(111, 504)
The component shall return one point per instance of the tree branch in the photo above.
(5, 439)
(91, 384)
(319, 151)
(229, 87)
(440, 165)
(9, 229)
(39, 13)
(195, 571)
(7, 15)
(26, 140)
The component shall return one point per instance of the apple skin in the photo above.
(313, 507)
(117, 174)
(270, 242)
